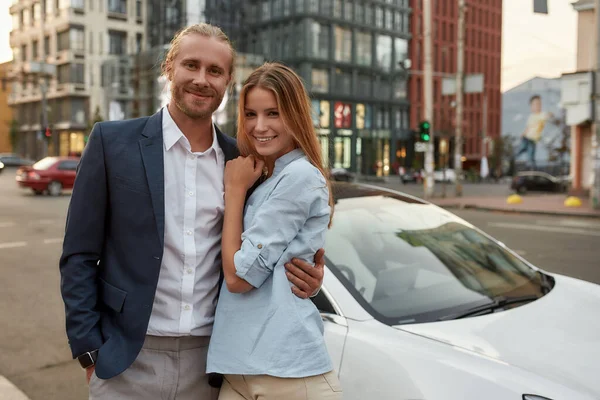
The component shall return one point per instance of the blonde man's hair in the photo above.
(295, 110)
(202, 29)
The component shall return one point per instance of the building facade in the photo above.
(577, 94)
(483, 42)
(5, 111)
(349, 53)
(64, 43)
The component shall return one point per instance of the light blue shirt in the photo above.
(268, 330)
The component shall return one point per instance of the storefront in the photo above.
(71, 143)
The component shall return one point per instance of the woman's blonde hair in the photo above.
(202, 29)
(295, 110)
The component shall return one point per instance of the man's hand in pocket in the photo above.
(89, 371)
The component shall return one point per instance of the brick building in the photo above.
(483, 39)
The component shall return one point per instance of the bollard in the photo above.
(572, 201)
(514, 199)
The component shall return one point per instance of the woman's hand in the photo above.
(242, 172)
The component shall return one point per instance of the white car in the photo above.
(418, 304)
(444, 176)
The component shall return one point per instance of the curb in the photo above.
(8, 391)
(518, 211)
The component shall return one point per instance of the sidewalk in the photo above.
(551, 204)
(8, 391)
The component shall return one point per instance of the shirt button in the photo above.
(191, 193)
(189, 271)
(187, 307)
(259, 246)
(188, 233)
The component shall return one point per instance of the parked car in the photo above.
(440, 175)
(50, 174)
(419, 304)
(411, 175)
(538, 181)
(14, 160)
(341, 174)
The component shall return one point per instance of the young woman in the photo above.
(267, 342)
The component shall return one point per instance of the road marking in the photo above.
(540, 228)
(574, 223)
(55, 240)
(43, 222)
(7, 224)
(11, 245)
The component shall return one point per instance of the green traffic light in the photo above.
(425, 125)
(425, 137)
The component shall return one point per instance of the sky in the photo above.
(532, 44)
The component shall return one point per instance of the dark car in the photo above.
(536, 181)
(341, 175)
(14, 160)
(50, 174)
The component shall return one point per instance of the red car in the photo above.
(50, 174)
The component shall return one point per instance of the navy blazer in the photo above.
(113, 244)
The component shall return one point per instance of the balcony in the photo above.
(576, 97)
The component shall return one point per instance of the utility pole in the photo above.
(428, 97)
(595, 192)
(460, 72)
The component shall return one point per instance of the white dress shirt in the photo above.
(186, 293)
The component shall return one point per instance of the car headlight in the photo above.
(534, 397)
(1, 164)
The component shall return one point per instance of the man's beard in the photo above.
(178, 93)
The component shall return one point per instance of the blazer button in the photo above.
(259, 246)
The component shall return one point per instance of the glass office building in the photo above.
(351, 56)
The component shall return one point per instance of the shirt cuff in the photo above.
(249, 264)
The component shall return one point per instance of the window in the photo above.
(378, 17)
(320, 80)
(313, 6)
(349, 11)
(389, 20)
(77, 39)
(138, 9)
(399, 88)
(78, 110)
(368, 14)
(364, 86)
(364, 49)
(68, 165)
(360, 12)
(49, 7)
(138, 43)
(326, 7)
(343, 82)
(384, 52)
(80, 4)
(100, 42)
(37, 12)
(401, 52)
(300, 6)
(71, 73)
(117, 6)
(47, 45)
(266, 10)
(117, 42)
(34, 50)
(337, 9)
(287, 7)
(319, 41)
(277, 8)
(343, 44)
(91, 47)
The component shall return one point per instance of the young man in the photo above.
(141, 258)
(533, 130)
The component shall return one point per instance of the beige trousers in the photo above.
(265, 387)
(167, 368)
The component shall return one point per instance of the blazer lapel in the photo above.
(227, 144)
(152, 150)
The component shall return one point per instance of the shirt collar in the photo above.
(172, 134)
(287, 159)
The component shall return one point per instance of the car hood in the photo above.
(557, 336)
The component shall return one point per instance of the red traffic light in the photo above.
(48, 132)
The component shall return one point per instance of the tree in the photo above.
(97, 118)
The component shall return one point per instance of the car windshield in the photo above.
(44, 163)
(410, 262)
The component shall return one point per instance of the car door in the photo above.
(335, 326)
(67, 170)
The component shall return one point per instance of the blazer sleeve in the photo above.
(82, 247)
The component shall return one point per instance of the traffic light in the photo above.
(424, 131)
(48, 132)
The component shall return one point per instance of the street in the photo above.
(34, 351)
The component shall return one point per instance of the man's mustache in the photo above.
(199, 91)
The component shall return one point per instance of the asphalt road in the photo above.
(34, 353)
